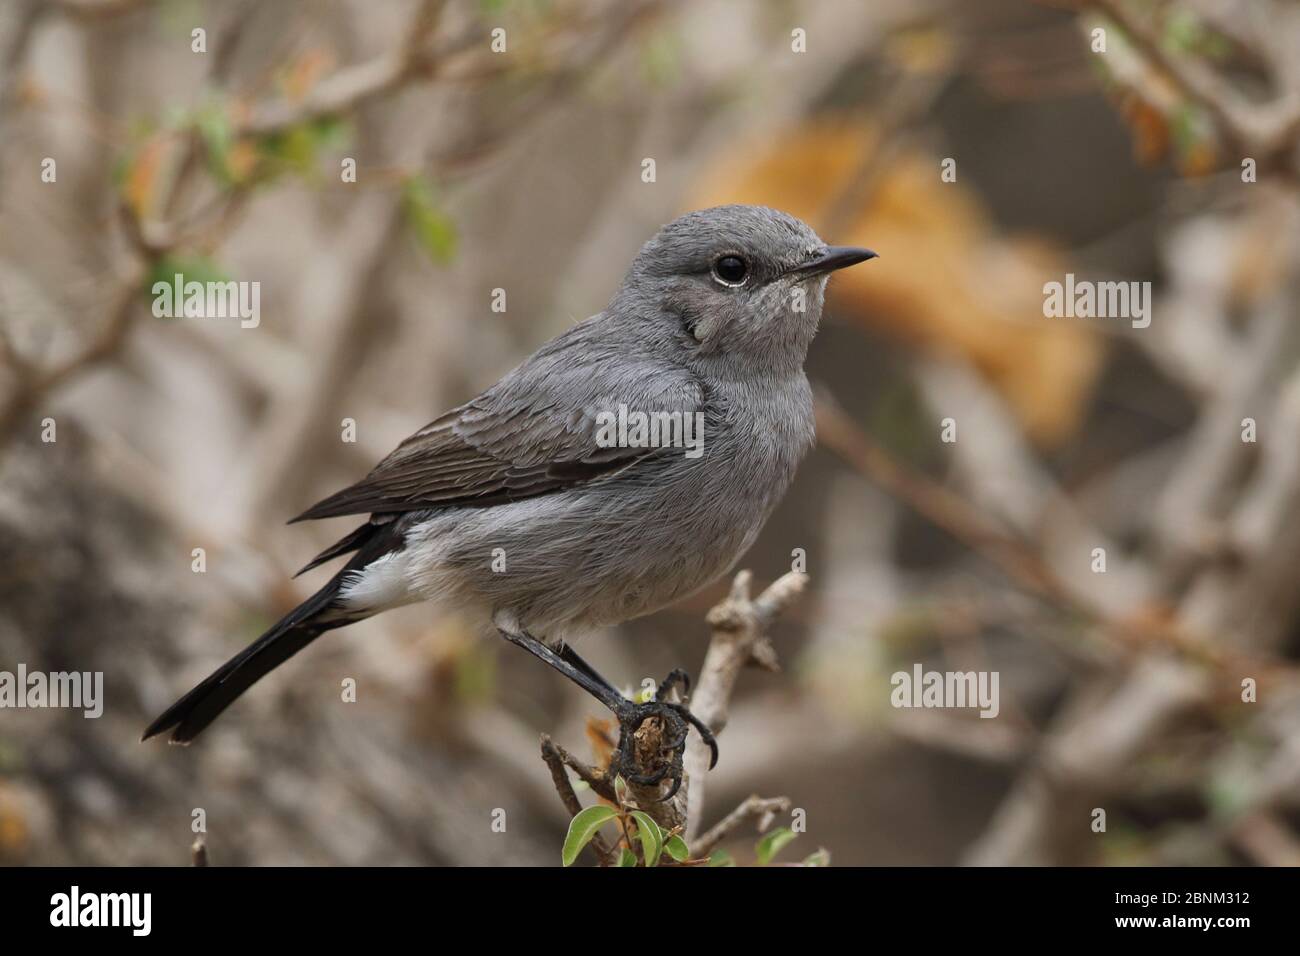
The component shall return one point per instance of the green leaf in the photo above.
(330, 132)
(661, 58)
(191, 269)
(721, 858)
(651, 837)
(677, 849)
(821, 858)
(218, 137)
(433, 228)
(294, 148)
(297, 148)
(582, 828)
(627, 858)
(768, 847)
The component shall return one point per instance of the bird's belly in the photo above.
(580, 559)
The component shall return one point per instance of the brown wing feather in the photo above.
(497, 448)
(446, 470)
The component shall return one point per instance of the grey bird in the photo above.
(513, 508)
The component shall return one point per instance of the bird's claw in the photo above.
(675, 676)
(677, 722)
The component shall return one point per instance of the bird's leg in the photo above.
(676, 719)
(568, 654)
(581, 674)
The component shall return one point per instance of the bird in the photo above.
(527, 509)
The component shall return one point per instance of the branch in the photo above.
(739, 640)
(1020, 559)
(31, 386)
(1266, 133)
(556, 759)
(762, 809)
(342, 92)
(152, 241)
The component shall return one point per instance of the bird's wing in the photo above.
(532, 433)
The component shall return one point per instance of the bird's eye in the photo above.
(731, 270)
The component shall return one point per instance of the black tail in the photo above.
(287, 637)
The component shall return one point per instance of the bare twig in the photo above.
(754, 807)
(601, 785)
(349, 88)
(739, 640)
(555, 761)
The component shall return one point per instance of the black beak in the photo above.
(834, 257)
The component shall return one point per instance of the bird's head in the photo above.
(741, 286)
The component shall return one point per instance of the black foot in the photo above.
(677, 721)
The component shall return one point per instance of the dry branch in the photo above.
(763, 810)
(555, 762)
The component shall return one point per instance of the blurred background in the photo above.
(1168, 155)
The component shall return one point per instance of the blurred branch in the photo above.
(152, 241)
(345, 91)
(1265, 838)
(352, 86)
(913, 96)
(1266, 133)
(1016, 557)
(1112, 720)
(1103, 729)
(31, 385)
(13, 54)
(1012, 555)
(96, 9)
